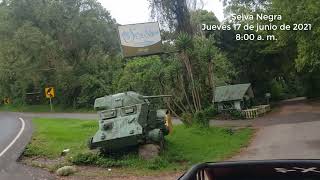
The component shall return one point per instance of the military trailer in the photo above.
(128, 119)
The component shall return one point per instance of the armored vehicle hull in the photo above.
(128, 119)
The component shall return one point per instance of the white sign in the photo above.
(140, 39)
(139, 35)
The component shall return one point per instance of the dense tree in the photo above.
(175, 14)
(273, 60)
(200, 17)
(304, 44)
(55, 43)
(195, 54)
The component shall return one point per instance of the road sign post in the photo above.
(51, 108)
(49, 92)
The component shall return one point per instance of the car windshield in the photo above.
(148, 89)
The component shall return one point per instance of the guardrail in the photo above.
(256, 111)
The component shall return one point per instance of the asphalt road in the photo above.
(291, 132)
(15, 133)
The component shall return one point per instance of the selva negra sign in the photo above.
(140, 39)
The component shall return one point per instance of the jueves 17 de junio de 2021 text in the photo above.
(256, 23)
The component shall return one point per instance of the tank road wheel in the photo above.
(90, 146)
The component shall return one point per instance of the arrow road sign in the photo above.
(49, 92)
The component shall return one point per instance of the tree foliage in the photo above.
(290, 59)
(56, 43)
(175, 14)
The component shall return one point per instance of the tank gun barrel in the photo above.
(158, 96)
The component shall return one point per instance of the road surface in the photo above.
(15, 133)
(291, 132)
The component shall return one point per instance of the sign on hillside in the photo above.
(140, 39)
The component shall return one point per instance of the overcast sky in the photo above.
(137, 11)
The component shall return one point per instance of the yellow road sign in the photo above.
(49, 91)
(6, 100)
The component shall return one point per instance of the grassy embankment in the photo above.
(185, 146)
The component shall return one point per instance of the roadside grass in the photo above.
(41, 108)
(185, 146)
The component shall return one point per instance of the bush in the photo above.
(277, 90)
(85, 159)
(96, 159)
(211, 112)
(200, 118)
(312, 85)
(281, 89)
(123, 161)
(187, 119)
(235, 114)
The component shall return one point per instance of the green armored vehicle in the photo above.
(129, 119)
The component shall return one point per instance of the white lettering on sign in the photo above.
(139, 35)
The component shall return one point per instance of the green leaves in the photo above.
(184, 42)
(142, 74)
(60, 43)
